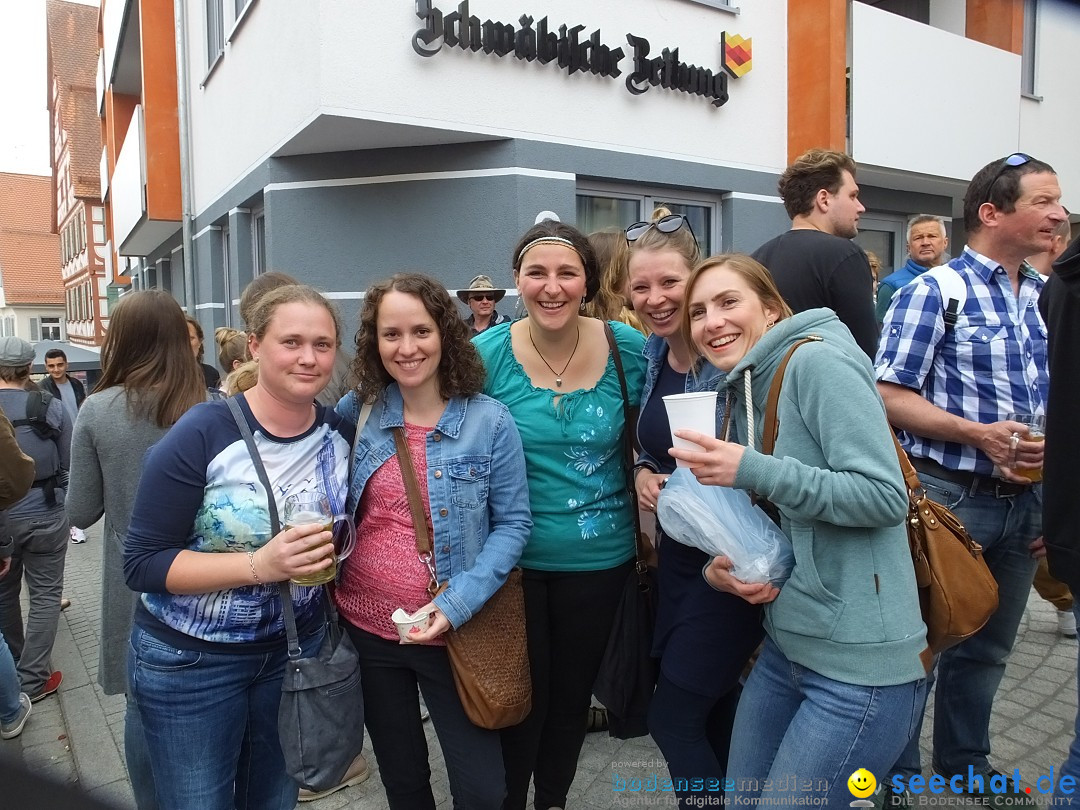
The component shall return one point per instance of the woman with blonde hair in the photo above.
(149, 380)
(208, 647)
(840, 681)
(703, 638)
(556, 372)
(232, 348)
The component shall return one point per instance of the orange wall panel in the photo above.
(817, 62)
(997, 22)
(119, 109)
(163, 201)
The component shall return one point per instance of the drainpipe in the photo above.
(186, 178)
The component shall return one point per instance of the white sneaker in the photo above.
(77, 535)
(1067, 623)
(356, 774)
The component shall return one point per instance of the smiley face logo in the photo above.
(861, 783)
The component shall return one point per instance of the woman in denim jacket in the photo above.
(414, 359)
(703, 638)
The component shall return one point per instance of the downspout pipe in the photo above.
(186, 178)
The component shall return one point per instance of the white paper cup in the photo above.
(408, 623)
(696, 411)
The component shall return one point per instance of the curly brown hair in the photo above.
(812, 171)
(461, 371)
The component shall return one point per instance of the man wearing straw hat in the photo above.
(482, 296)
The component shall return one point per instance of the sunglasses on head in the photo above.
(1011, 162)
(668, 224)
(483, 297)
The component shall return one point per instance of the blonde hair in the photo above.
(263, 311)
(241, 378)
(753, 272)
(612, 255)
(682, 241)
(232, 347)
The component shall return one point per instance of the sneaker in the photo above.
(65, 603)
(1067, 623)
(50, 686)
(896, 798)
(77, 535)
(14, 728)
(356, 774)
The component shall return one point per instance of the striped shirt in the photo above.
(990, 364)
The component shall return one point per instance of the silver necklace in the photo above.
(558, 374)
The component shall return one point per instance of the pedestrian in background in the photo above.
(149, 380)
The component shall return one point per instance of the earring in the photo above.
(581, 308)
(769, 325)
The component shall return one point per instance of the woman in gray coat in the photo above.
(149, 379)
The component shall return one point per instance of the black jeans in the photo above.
(390, 673)
(568, 618)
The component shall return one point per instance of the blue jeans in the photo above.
(806, 734)
(211, 723)
(9, 685)
(968, 675)
(1072, 761)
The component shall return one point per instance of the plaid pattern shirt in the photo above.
(993, 362)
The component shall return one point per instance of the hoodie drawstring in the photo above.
(749, 409)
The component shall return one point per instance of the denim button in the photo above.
(442, 513)
(438, 473)
(437, 437)
(446, 549)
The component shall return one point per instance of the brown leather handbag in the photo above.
(488, 654)
(957, 592)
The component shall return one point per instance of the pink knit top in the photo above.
(384, 573)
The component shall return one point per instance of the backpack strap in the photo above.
(953, 291)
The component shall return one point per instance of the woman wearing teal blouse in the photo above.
(553, 369)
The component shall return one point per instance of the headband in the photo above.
(552, 240)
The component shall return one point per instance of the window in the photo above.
(239, 6)
(1027, 60)
(599, 210)
(50, 329)
(215, 31)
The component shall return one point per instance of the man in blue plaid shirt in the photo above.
(950, 383)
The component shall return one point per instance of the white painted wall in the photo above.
(902, 115)
(352, 59)
(1049, 128)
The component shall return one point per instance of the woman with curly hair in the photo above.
(422, 378)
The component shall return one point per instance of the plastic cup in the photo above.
(696, 411)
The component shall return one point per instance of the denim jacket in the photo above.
(480, 520)
(703, 377)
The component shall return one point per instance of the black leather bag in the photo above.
(628, 671)
(321, 714)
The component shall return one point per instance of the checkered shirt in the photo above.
(990, 364)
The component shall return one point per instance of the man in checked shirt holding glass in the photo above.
(950, 384)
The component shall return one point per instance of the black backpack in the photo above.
(37, 405)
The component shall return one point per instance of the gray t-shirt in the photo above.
(67, 396)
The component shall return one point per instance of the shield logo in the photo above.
(738, 54)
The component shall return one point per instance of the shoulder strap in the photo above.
(629, 428)
(772, 425)
(275, 522)
(953, 292)
(361, 420)
(412, 489)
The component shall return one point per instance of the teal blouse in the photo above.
(582, 519)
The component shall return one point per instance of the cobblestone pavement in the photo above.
(77, 737)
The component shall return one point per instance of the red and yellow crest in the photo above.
(738, 53)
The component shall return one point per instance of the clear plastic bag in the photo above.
(722, 520)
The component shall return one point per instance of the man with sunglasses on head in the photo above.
(962, 348)
(816, 264)
(482, 296)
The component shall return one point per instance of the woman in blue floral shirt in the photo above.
(554, 370)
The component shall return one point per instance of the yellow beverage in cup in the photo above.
(326, 574)
(1034, 476)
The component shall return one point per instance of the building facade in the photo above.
(75, 149)
(352, 140)
(31, 292)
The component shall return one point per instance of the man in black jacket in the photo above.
(71, 393)
(1060, 306)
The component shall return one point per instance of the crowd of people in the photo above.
(512, 431)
